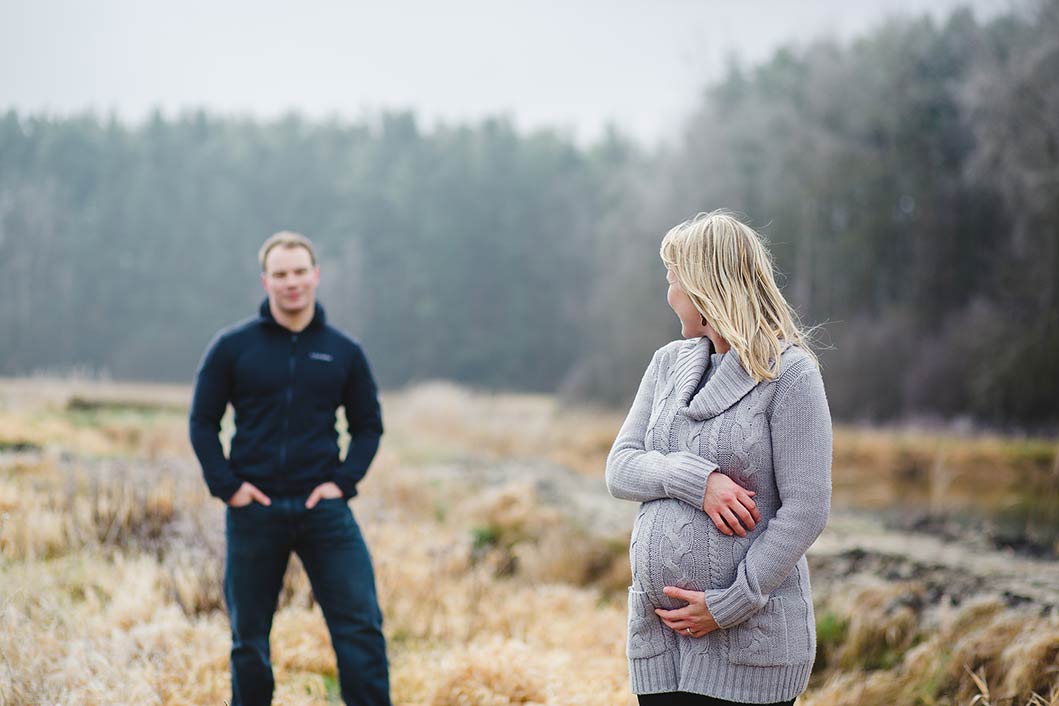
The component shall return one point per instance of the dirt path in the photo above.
(854, 543)
(858, 543)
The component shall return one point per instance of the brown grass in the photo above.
(111, 559)
(440, 420)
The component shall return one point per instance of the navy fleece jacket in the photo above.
(285, 388)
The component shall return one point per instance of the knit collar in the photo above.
(728, 384)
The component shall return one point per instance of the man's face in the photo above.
(290, 279)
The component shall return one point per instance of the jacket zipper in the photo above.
(287, 403)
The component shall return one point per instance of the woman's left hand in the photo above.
(694, 619)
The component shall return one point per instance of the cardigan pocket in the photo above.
(761, 640)
(647, 636)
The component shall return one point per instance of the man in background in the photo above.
(286, 372)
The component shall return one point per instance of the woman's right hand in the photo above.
(730, 505)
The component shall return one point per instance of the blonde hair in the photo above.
(285, 239)
(723, 266)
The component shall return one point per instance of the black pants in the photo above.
(682, 698)
(328, 541)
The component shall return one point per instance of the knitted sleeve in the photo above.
(801, 456)
(633, 473)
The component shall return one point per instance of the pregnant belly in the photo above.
(674, 544)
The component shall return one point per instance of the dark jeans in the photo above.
(329, 544)
(681, 698)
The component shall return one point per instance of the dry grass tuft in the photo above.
(516, 534)
(50, 510)
(883, 621)
(981, 653)
(495, 673)
(1032, 662)
(1014, 653)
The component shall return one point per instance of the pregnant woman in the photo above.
(728, 448)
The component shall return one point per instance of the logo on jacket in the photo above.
(326, 357)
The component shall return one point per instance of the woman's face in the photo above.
(691, 325)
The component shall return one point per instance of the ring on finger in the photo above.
(688, 631)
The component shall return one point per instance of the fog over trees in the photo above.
(908, 182)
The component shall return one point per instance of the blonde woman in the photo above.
(728, 448)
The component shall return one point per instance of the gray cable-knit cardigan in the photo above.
(773, 438)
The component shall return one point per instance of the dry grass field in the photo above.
(500, 559)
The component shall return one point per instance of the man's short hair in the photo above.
(285, 239)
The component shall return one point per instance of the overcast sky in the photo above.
(576, 64)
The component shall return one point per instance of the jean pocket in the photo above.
(243, 508)
(246, 519)
(332, 508)
(647, 634)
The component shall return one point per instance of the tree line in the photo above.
(906, 180)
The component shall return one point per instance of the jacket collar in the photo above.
(729, 384)
(319, 317)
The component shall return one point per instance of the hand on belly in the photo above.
(694, 619)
